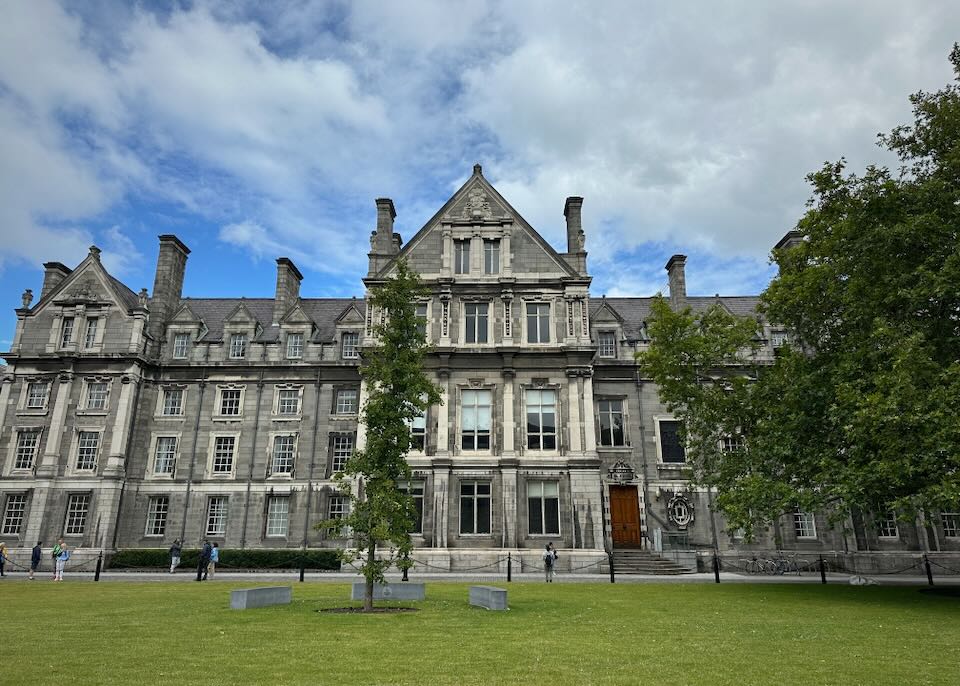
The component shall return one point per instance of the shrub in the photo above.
(284, 558)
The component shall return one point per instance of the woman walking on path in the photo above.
(175, 550)
(55, 553)
(35, 558)
(3, 558)
(214, 559)
(61, 561)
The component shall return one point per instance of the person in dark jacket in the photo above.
(204, 561)
(35, 556)
(175, 550)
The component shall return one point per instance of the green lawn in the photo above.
(174, 633)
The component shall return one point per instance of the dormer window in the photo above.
(350, 345)
(181, 344)
(66, 333)
(90, 337)
(461, 257)
(607, 344)
(491, 257)
(238, 346)
(294, 346)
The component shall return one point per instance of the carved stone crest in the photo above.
(477, 206)
(680, 510)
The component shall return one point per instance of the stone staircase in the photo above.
(628, 561)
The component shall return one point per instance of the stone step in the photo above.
(645, 562)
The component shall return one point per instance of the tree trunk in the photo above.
(368, 595)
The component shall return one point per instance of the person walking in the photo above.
(549, 561)
(35, 555)
(175, 551)
(214, 559)
(61, 561)
(55, 553)
(3, 558)
(204, 561)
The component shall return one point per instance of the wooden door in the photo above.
(625, 516)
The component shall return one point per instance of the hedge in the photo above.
(284, 558)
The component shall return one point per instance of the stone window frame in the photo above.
(72, 468)
(427, 303)
(176, 337)
(97, 331)
(290, 348)
(600, 344)
(23, 407)
(410, 425)
(12, 497)
(269, 516)
(411, 489)
(14, 448)
(950, 524)
(334, 457)
(272, 437)
(491, 319)
(237, 340)
(338, 507)
(476, 481)
(158, 412)
(657, 419)
(551, 320)
(354, 349)
(542, 481)
(218, 402)
(287, 416)
(85, 383)
(63, 342)
(335, 408)
(494, 241)
(211, 454)
(885, 522)
(494, 418)
(624, 413)
(457, 258)
(223, 518)
(86, 497)
(155, 515)
(155, 437)
(558, 414)
(804, 525)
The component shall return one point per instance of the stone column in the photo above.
(443, 418)
(6, 388)
(51, 453)
(574, 424)
(441, 492)
(508, 471)
(446, 258)
(506, 263)
(121, 428)
(476, 253)
(509, 424)
(589, 425)
(361, 425)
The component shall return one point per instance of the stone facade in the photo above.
(128, 421)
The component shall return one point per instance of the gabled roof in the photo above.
(322, 312)
(635, 311)
(120, 293)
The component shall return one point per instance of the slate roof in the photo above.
(130, 299)
(323, 312)
(635, 311)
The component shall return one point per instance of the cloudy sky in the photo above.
(253, 130)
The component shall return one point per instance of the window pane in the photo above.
(535, 512)
(13, 514)
(672, 449)
(483, 515)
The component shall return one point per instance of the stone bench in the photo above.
(490, 597)
(404, 590)
(246, 598)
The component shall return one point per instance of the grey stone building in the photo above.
(128, 420)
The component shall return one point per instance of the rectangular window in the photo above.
(475, 420)
(238, 346)
(778, 338)
(342, 450)
(346, 401)
(230, 402)
(217, 515)
(66, 333)
(474, 507)
(96, 395)
(338, 507)
(541, 419)
(538, 322)
(278, 515)
(491, 257)
(27, 443)
(37, 394)
(165, 457)
(543, 507)
(76, 521)
(418, 433)
(283, 454)
(951, 524)
(223, 448)
(461, 257)
(421, 314)
(350, 345)
(475, 315)
(671, 447)
(172, 402)
(13, 513)
(607, 344)
(288, 401)
(611, 423)
(181, 345)
(804, 524)
(887, 525)
(415, 491)
(294, 346)
(157, 515)
(90, 337)
(88, 443)
(732, 444)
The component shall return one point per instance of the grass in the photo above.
(176, 633)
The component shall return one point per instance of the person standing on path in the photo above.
(3, 558)
(35, 558)
(214, 559)
(55, 553)
(61, 561)
(203, 561)
(175, 551)
(549, 561)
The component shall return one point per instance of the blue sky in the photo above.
(256, 130)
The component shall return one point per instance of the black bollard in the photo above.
(612, 574)
(406, 567)
(823, 571)
(716, 569)
(303, 567)
(926, 563)
(509, 568)
(96, 573)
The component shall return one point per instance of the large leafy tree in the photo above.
(381, 512)
(861, 410)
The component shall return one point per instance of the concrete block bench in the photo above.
(490, 597)
(246, 598)
(404, 590)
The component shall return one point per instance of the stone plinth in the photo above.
(246, 598)
(490, 597)
(403, 590)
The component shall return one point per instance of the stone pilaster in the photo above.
(122, 424)
(509, 424)
(589, 425)
(51, 452)
(575, 424)
(443, 418)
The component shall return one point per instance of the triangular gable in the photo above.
(607, 313)
(478, 200)
(296, 315)
(88, 283)
(185, 315)
(351, 315)
(240, 315)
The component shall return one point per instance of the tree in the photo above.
(381, 512)
(860, 411)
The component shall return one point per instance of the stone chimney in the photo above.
(288, 287)
(576, 255)
(789, 240)
(53, 275)
(384, 243)
(678, 281)
(167, 284)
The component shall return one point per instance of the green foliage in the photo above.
(283, 558)
(381, 513)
